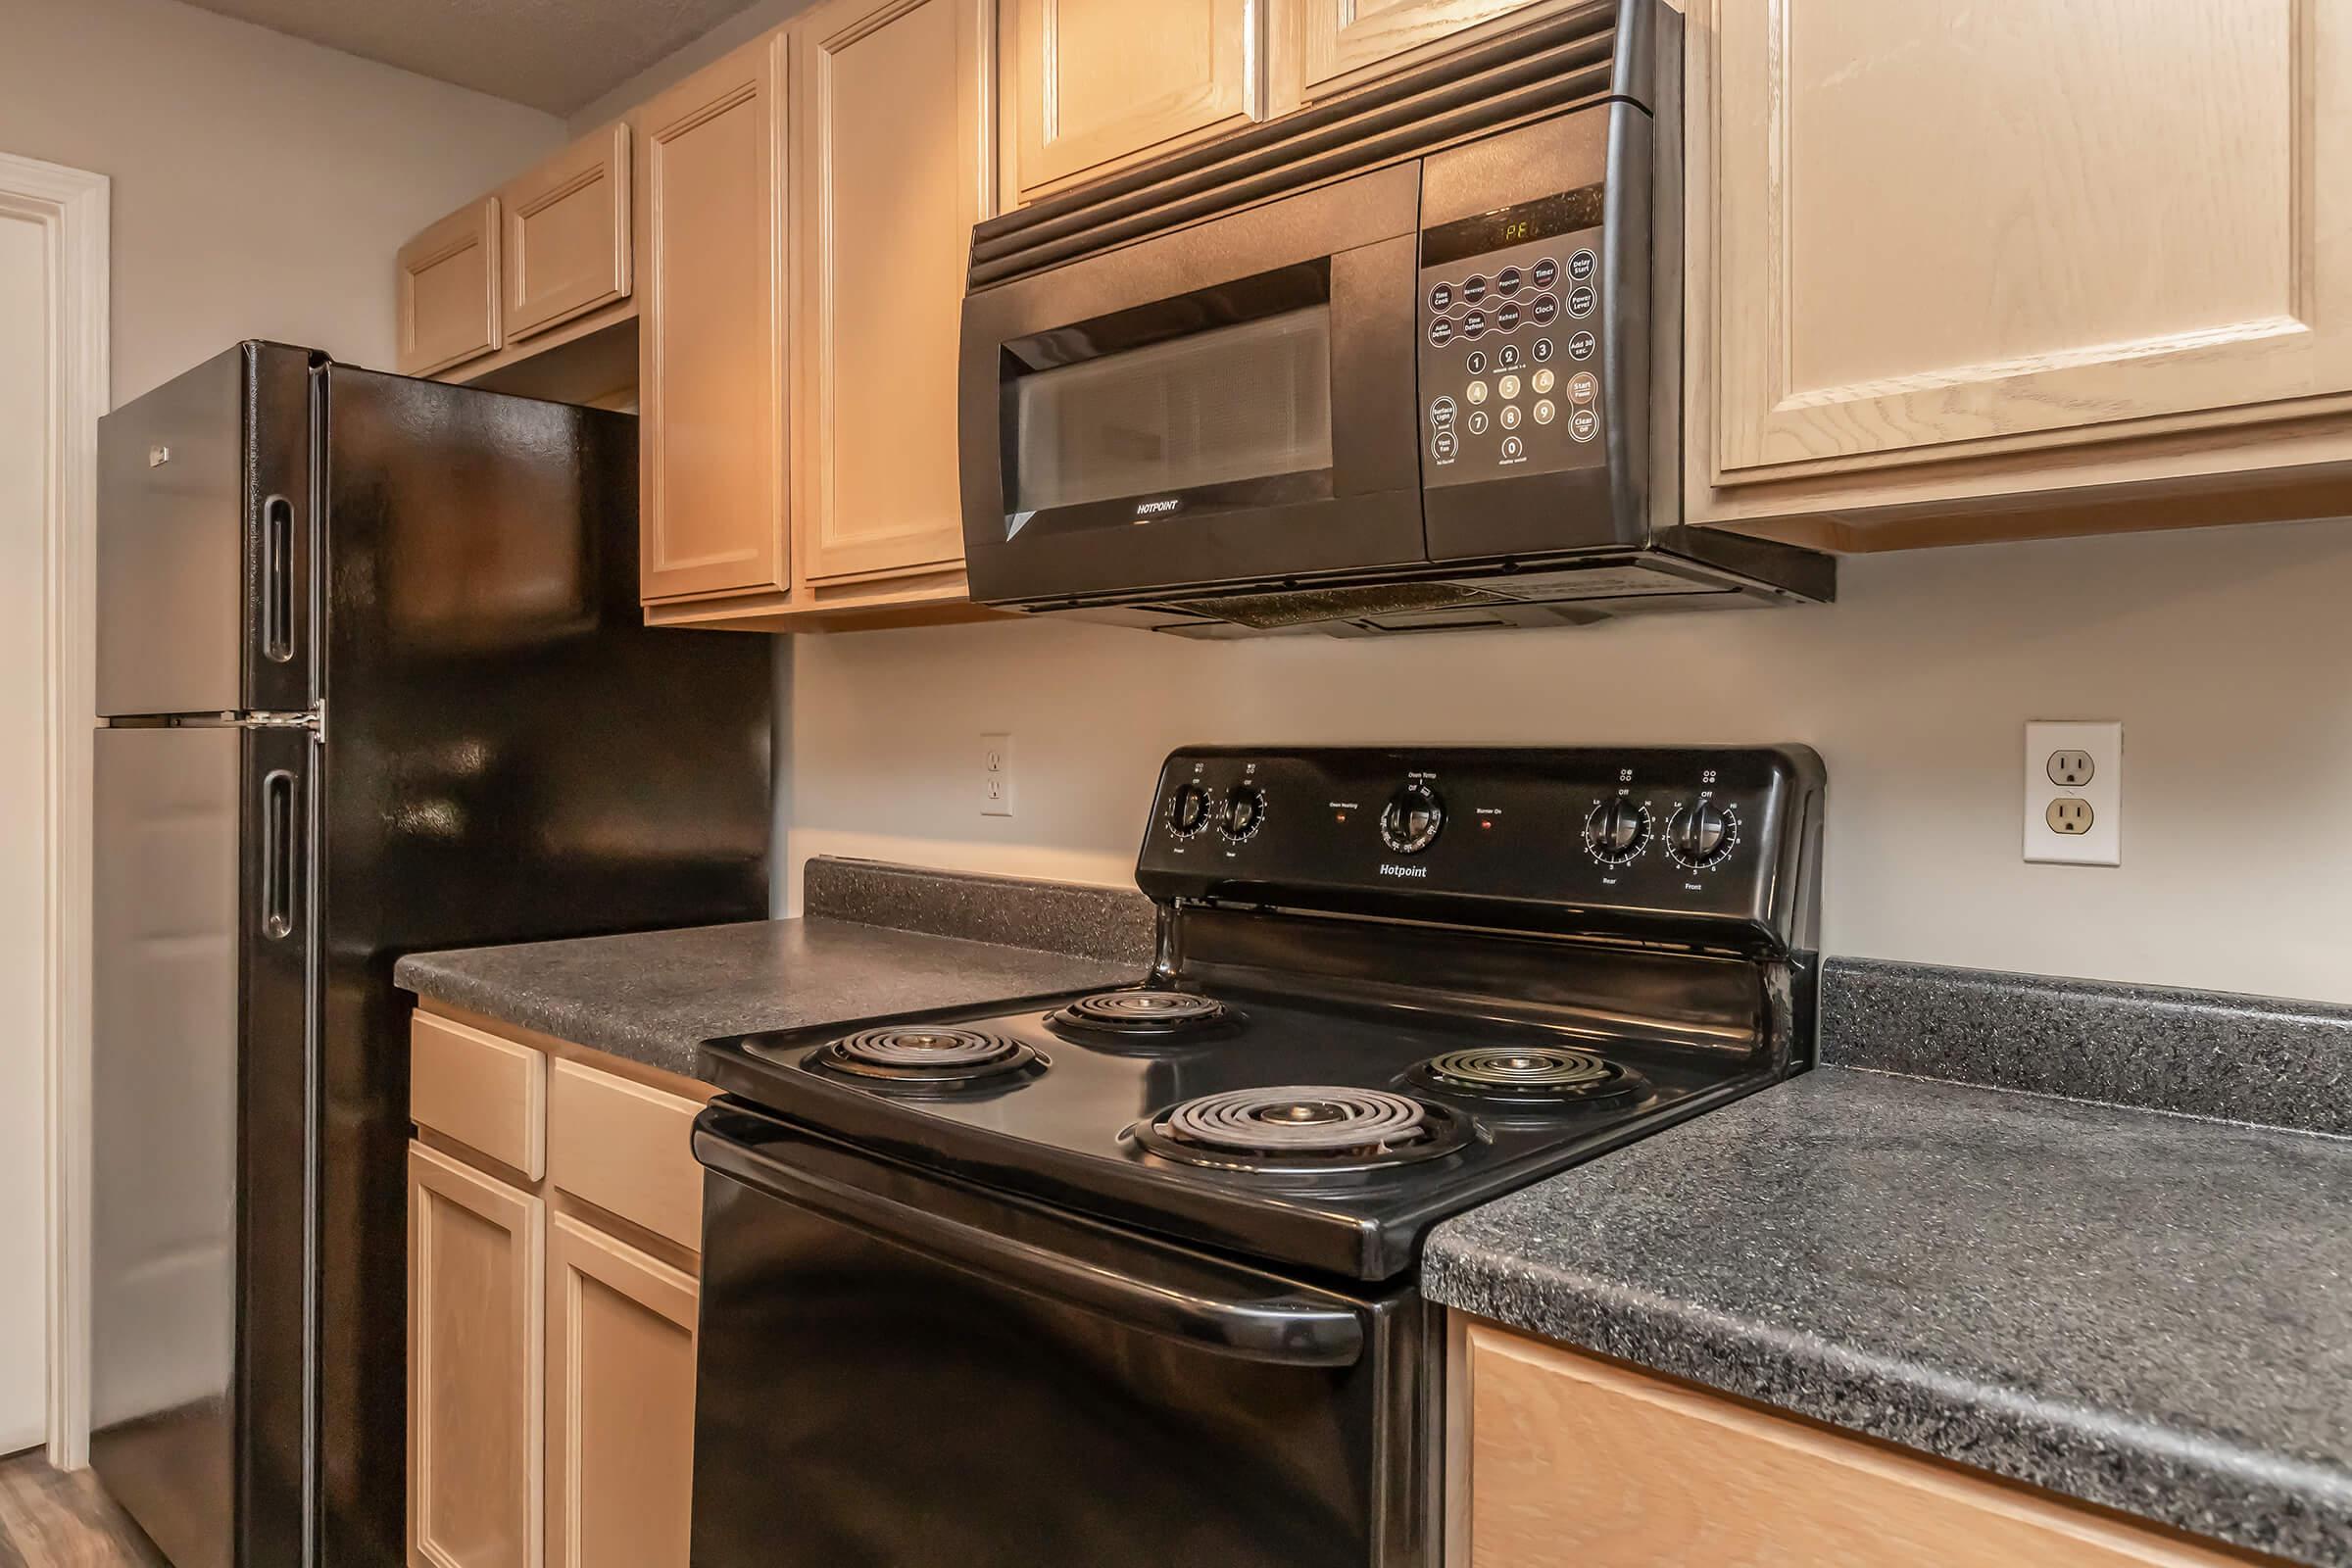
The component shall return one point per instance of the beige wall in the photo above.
(2224, 652)
(261, 184)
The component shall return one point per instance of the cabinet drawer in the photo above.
(486, 1093)
(1694, 1477)
(626, 1149)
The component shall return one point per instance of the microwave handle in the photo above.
(1290, 1330)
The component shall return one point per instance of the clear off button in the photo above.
(1583, 423)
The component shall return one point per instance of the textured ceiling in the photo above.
(556, 55)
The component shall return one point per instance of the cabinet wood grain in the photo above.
(1574, 1459)
(711, 331)
(620, 1404)
(475, 1276)
(1928, 237)
(446, 293)
(1098, 83)
(889, 171)
(486, 1093)
(627, 1148)
(1326, 47)
(565, 248)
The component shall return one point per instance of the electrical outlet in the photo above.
(995, 775)
(2073, 793)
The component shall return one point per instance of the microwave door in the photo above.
(1230, 402)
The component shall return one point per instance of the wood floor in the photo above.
(49, 1520)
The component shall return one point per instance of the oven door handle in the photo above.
(1291, 1329)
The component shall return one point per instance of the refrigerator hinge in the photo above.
(314, 719)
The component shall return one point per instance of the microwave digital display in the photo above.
(1567, 213)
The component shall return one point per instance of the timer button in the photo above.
(1583, 264)
(1546, 273)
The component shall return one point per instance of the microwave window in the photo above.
(1235, 402)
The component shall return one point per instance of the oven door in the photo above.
(894, 1368)
(1228, 402)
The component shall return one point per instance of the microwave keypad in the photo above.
(1510, 362)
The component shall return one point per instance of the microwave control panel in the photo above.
(1511, 346)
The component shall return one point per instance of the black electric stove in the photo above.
(1176, 1223)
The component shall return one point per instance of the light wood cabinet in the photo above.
(446, 291)
(554, 1229)
(1093, 84)
(1569, 1458)
(2036, 256)
(1322, 48)
(889, 171)
(565, 246)
(711, 501)
(621, 1404)
(474, 1355)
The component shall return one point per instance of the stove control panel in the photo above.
(1714, 842)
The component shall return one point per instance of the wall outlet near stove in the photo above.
(2073, 793)
(995, 775)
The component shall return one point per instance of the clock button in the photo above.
(1544, 309)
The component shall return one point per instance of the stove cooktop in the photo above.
(1316, 1135)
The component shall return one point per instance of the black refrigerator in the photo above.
(372, 678)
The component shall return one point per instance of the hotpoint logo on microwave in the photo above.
(1145, 511)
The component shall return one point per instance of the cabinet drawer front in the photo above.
(1578, 1461)
(486, 1093)
(565, 246)
(626, 1149)
(446, 307)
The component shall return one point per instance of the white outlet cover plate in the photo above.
(2104, 793)
(995, 775)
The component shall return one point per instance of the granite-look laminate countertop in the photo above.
(654, 997)
(2134, 1308)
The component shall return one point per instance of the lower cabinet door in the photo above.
(475, 1311)
(620, 1403)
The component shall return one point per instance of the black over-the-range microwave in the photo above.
(1404, 362)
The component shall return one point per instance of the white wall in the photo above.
(2224, 652)
(261, 184)
(24, 898)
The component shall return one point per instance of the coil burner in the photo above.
(1530, 1077)
(928, 1058)
(1305, 1128)
(1146, 1017)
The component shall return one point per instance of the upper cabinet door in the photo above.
(1325, 47)
(1945, 232)
(446, 297)
(1095, 84)
(890, 173)
(711, 331)
(567, 241)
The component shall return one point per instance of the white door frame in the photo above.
(71, 206)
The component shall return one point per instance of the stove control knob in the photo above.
(1412, 820)
(1616, 830)
(1188, 810)
(1244, 809)
(1701, 834)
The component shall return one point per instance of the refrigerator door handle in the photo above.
(278, 579)
(277, 854)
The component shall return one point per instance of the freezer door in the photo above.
(204, 539)
(163, 1113)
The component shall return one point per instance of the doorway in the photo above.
(24, 872)
(53, 387)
